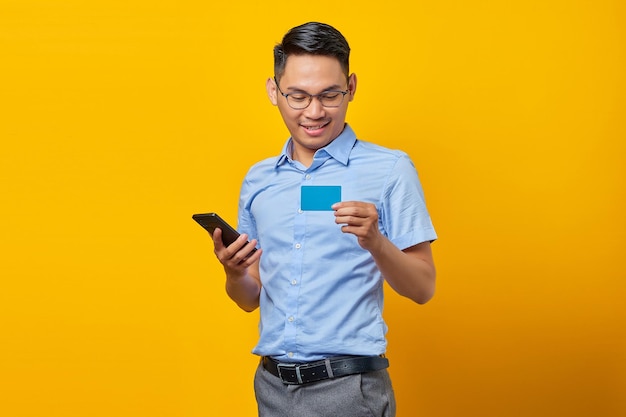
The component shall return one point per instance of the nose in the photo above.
(315, 110)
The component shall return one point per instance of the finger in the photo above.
(217, 239)
(350, 220)
(344, 204)
(359, 209)
(224, 252)
(250, 258)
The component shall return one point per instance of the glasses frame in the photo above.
(311, 96)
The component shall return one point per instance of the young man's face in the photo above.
(315, 126)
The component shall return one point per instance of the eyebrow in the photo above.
(335, 87)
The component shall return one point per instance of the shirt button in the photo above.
(300, 211)
(290, 319)
(307, 176)
(298, 246)
(290, 354)
(294, 282)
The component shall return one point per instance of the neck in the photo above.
(304, 156)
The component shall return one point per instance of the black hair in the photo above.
(312, 38)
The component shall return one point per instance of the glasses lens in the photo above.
(298, 101)
(302, 101)
(331, 99)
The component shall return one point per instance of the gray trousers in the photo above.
(362, 395)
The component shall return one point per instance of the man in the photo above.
(318, 274)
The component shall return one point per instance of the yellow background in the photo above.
(120, 119)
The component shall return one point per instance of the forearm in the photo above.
(244, 290)
(241, 265)
(411, 273)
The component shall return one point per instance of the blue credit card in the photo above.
(319, 197)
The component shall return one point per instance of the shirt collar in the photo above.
(339, 149)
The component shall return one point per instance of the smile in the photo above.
(316, 127)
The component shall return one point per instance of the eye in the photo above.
(298, 98)
(330, 96)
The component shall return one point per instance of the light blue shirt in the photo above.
(322, 294)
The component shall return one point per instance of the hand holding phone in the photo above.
(211, 221)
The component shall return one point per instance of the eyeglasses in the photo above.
(300, 101)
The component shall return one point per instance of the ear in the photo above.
(272, 91)
(352, 85)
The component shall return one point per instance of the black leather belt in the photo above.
(303, 373)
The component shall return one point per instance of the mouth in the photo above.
(315, 128)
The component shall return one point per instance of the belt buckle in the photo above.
(289, 366)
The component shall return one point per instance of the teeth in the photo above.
(314, 127)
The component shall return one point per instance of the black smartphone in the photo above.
(211, 221)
